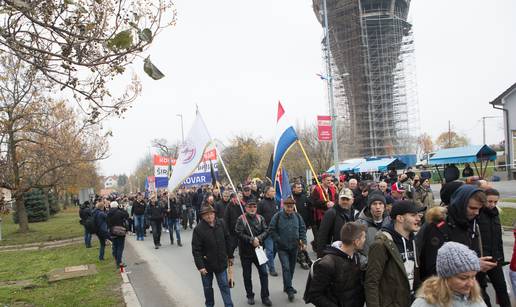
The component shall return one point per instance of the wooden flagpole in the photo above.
(311, 168)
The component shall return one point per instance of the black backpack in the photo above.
(91, 222)
(306, 295)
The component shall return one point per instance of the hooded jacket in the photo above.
(456, 228)
(491, 232)
(386, 281)
(337, 280)
(366, 219)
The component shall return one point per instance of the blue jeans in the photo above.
(87, 238)
(173, 224)
(222, 281)
(102, 247)
(288, 265)
(270, 251)
(118, 249)
(139, 224)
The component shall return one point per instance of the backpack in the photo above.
(91, 222)
(306, 295)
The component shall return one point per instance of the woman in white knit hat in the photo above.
(455, 284)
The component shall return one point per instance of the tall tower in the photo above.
(371, 49)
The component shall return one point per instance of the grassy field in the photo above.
(508, 216)
(508, 200)
(63, 225)
(102, 289)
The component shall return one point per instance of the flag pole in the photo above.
(311, 168)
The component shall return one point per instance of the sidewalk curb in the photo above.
(130, 298)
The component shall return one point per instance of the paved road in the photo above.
(168, 277)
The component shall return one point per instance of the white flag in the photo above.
(190, 153)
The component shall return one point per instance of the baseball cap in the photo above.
(247, 188)
(346, 193)
(397, 187)
(405, 206)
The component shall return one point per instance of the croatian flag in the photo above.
(285, 137)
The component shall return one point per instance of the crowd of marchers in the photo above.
(378, 243)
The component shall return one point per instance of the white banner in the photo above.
(190, 153)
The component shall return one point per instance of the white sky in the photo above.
(236, 59)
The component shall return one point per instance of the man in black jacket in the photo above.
(117, 217)
(222, 204)
(492, 245)
(174, 216)
(460, 226)
(212, 253)
(139, 216)
(155, 212)
(337, 279)
(252, 232)
(84, 213)
(334, 219)
(267, 207)
(233, 211)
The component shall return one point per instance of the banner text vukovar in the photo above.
(201, 176)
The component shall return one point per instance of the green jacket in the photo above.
(386, 283)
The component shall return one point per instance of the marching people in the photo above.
(155, 213)
(288, 231)
(139, 216)
(423, 196)
(212, 254)
(337, 279)
(101, 225)
(267, 207)
(247, 195)
(392, 268)
(252, 232)
(382, 186)
(492, 245)
(322, 198)
(334, 219)
(116, 222)
(455, 284)
(174, 217)
(374, 217)
(303, 208)
(84, 213)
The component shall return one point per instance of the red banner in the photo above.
(324, 127)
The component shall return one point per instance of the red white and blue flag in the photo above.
(286, 136)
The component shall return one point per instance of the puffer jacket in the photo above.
(245, 239)
(386, 281)
(337, 280)
(491, 231)
(287, 229)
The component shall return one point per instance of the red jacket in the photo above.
(319, 204)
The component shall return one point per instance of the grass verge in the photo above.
(508, 217)
(64, 225)
(102, 289)
(508, 200)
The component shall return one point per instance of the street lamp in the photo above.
(182, 131)
(484, 126)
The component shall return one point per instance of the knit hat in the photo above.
(375, 196)
(454, 258)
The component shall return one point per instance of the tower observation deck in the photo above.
(371, 49)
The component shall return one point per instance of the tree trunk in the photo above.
(66, 200)
(23, 219)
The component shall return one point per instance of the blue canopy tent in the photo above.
(379, 165)
(466, 154)
(346, 166)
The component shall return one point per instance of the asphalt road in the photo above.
(168, 276)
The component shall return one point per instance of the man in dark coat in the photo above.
(267, 207)
(460, 226)
(84, 213)
(117, 216)
(222, 204)
(337, 278)
(252, 232)
(492, 245)
(212, 254)
(233, 211)
(155, 212)
(334, 219)
(139, 216)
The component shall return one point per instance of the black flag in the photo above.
(213, 178)
(268, 174)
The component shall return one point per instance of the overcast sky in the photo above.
(236, 59)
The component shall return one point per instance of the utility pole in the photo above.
(329, 80)
(484, 127)
(449, 134)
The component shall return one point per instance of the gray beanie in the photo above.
(454, 258)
